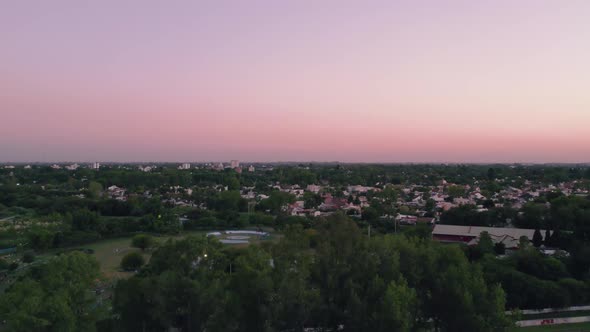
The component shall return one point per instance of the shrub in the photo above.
(132, 261)
(28, 257)
(142, 241)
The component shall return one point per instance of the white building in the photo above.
(72, 167)
(185, 166)
(146, 168)
(235, 163)
(251, 169)
(95, 166)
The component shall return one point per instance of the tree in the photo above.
(143, 241)
(398, 308)
(477, 306)
(500, 248)
(277, 201)
(312, 200)
(132, 261)
(491, 173)
(370, 214)
(485, 243)
(94, 189)
(523, 242)
(85, 220)
(40, 238)
(28, 257)
(456, 191)
(555, 239)
(54, 296)
(537, 238)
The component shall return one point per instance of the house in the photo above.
(332, 203)
(406, 219)
(72, 167)
(314, 188)
(117, 193)
(358, 189)
(510, 237)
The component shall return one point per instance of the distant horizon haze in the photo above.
(448, 81)
(247, 163)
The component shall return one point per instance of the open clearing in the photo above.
(110, 252)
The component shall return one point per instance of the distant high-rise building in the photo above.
(95, 166)
(251, 168)
(185, 166)
(235, 163)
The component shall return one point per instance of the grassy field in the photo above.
(579, 327)
(110, 252)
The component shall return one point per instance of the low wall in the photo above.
(246, 232)
(553, 321)
(550, 310)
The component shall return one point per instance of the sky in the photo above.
(295, 80)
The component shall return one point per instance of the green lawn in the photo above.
(110, 252)
(578, 327)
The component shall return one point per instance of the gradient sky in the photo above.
(369, 81)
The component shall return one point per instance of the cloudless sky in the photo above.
(300, 80)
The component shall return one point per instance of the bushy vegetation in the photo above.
(324, 272)
(132, 261)
(329, 277)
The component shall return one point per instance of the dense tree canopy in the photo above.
(334, 277)
(54, 296)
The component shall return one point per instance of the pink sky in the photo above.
(368, 81)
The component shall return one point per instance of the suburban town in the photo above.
(515, 213)
(295, 166)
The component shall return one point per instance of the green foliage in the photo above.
(323, 278)
(537, 238)
(499, 248)
(276, 201)
(132, 261)
(420, 230)
(456, 191)
(143, 241)
(53, 297)
(398, 308)
(94, 189)
(28, 257)
(85, 220)
(40, 238)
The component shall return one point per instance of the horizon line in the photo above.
(302, 162)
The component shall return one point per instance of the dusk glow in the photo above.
(351, 81)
